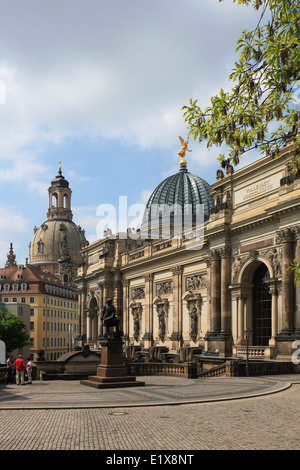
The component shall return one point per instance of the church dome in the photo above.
(57, 243)
(53, 240)
(182, 194)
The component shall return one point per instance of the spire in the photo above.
(11, 258)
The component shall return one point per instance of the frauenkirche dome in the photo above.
(56, 244)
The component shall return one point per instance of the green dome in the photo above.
(182, 192)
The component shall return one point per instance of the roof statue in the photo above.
(183, 150)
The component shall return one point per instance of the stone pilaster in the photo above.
(82, 307)
(101, 305)
(126, 316)
(176, 335)
(148, 336)
(215, 291)
(241, 318)
(208, 287)
(285, 237)
(297, 257)
(225, 292)
(274, 293)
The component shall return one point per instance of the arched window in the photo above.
(54, 200)
(262, 307)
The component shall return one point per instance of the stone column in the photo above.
(101, 304)
(297, 257)
(208, 307)
(274, 293)
(225, 292)
(176, 335)
(241, 318)
(126, 309)
(215, 291)
(82, 307)
(88, 326)
(285, 236)
(148, 336)
(118, 296)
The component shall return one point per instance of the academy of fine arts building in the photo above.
(210, 291)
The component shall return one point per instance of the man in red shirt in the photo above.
(20, 367)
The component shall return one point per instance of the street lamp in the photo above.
(247, 333)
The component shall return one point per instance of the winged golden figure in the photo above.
(184, 147)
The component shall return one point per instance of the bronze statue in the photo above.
(110, 320)
(184, 149)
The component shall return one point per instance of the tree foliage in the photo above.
(12, 331)
(261, 111)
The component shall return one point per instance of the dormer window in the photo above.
(15, 287)
(6, 287)
(24, 287)
(40, 246)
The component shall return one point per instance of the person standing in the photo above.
(10, 368)
(29, 370)
(20, 367)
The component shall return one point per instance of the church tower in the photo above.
(57, 243)
(59, 198)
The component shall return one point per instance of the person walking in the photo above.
(10, 369)
(20, 368)
(29, 370)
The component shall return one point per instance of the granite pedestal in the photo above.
(111, 373)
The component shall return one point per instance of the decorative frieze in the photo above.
(164, 288)
(138, 293)
(196, 282)
(136, 255)
(162, 246)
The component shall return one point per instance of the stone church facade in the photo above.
(234, 286)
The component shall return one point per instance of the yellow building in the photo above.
(54, 319)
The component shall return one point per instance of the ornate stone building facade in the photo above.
(208, 292)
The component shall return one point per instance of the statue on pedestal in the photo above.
(110, 321)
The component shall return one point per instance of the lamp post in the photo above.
(247, 333)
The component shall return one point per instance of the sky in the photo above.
(99, 85)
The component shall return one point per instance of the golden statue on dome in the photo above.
(183, 150)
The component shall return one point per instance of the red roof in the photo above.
(35, 279)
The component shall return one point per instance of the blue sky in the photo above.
(99, 85)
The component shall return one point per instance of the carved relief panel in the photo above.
(164, 288)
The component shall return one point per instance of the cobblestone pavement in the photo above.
(225, 414)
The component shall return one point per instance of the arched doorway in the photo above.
(262, 307)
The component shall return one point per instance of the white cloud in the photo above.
(116, 69)
(123, 78)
